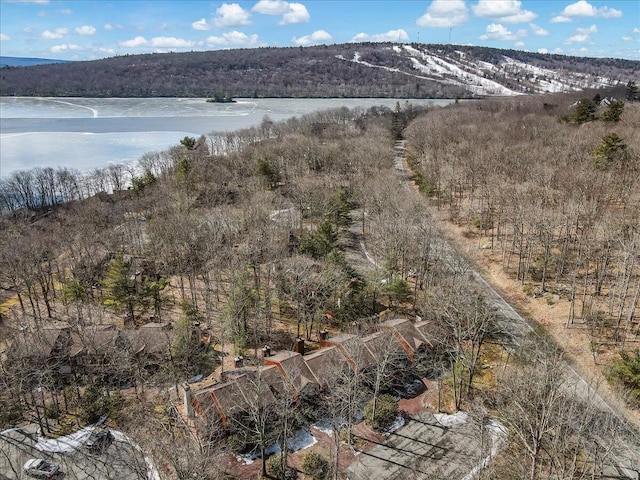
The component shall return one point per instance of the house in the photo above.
(294, 370)
(287, 375)
(326, 364)
(150, 344)
(46, 349)
(98, 350)
(229, 404)
(406, 333)
(385, 346)
(354, 350)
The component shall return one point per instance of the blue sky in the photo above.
(90, 29)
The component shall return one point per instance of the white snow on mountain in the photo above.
(506, 77)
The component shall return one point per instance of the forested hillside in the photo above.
(347, 70)
(556, 208)
(174, 306)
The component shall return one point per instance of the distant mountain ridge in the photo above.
(344, 70)
(27, 62)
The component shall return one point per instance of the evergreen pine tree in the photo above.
(614, 112)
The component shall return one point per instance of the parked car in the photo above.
(100, 441)
(38, 468)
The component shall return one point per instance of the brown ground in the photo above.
(574, 339)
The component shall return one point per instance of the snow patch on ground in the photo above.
(397, 423)
(68, 443)
(447, 420)
(485, 78)
(301, 439)
(76, 440)
(249, 458)
(152, 471)
(324, 426)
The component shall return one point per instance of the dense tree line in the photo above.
(556, 206)
(318, 71)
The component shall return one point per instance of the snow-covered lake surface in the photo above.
(86, 133)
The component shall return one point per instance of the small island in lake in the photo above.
(221, 98)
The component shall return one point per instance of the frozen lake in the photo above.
(86, 133)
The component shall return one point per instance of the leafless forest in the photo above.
(120, 285)
(383, 70)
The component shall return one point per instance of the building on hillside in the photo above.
(288, 376)
(99, 353)
(327, 365)
(406, 333)
(294, 370)
(45, 352)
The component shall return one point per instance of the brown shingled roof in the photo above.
(94, 341)
(384, 342)
(152, 338)
(410, 338)
(293, 368)
(326, 364)
(40, 344)
(353, 348)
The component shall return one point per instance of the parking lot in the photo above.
(120, 460)
(430, 447)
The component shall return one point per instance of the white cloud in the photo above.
(170, 42)
(86, 30)
(519, 43)
(391, 36)
(319, 36)
(4, 37)
(297, 14)
(27, 30)
(579, 38)
(627, 38)
(201, 25)
(538, 30)
(234, 38)
(65, 48)
(582, 8)
(582, 35)
(271, 7)
(560, 19)
(292, 13)
(112, 26)
(542, 50)
(55, 34)
(44, 2)
(591, 29)
(497, 31)
(66, 11)
(444, 14)
(636, 30)
(134, 42)
(231, 15)
(508, 11)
